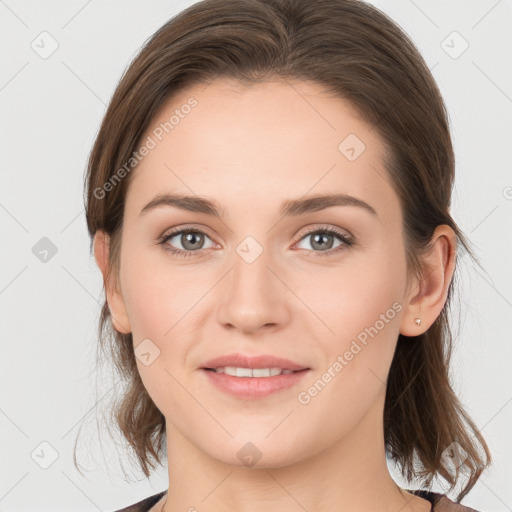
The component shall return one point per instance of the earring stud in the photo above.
(417, 321)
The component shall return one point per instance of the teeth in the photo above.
(248, 372)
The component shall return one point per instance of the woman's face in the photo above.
(264, 278)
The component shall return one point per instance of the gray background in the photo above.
(51, 109)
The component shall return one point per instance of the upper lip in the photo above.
(262, 361)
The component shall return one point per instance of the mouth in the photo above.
(253, 383)
(253, 377)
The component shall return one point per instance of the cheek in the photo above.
(158, 295)
(160, 303)
(361, 304)
(356, 295)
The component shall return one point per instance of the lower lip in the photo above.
(253, 388)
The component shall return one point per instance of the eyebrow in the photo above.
(291, 207)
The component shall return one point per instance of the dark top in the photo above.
(440, 502)
(144, 505)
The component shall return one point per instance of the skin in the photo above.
(249, 149)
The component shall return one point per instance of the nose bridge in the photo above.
(252, 295)
(251, 277)
(250, 264)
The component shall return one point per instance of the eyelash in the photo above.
(347, 241)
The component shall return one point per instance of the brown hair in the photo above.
(358, 53)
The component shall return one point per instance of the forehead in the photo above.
(253, 143)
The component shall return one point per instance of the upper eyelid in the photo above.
(177, 231)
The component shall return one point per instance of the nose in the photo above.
(253, 296)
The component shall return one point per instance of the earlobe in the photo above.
(114, 297)
(427, 299)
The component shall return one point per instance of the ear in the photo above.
(114, 297)
(427, 296)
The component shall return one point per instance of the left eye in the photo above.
(323, 239)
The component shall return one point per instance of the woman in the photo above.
(268, 197)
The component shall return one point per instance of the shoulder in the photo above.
(445, 504)
(144, 505)
(442, 503)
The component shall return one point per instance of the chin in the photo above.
(257, 452)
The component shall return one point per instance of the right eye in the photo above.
(190, 240)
